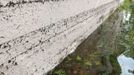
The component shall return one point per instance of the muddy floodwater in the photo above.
(107, 51)
(97, 54)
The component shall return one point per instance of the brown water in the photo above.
(97, 54)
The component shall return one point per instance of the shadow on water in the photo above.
(97, 55)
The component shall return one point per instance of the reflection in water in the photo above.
(97, 55)
(126, 59)
(127, 64)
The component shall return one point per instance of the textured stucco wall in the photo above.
(36, 35)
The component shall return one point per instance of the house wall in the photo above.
(36, 35)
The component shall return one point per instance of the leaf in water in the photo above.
(78, 58)
(60, 72)
(130, 71)
(97, 62)
(88, 63)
